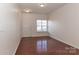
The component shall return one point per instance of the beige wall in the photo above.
(64, 24)
(10, 29)
(29, 25)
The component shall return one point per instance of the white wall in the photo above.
(29, 25)
(10, 22)
(64, 24)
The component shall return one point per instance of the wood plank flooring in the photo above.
(44, 46)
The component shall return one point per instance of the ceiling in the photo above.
(35, 7)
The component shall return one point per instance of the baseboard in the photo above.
(34, 36)
(57, 38)
(16, 47)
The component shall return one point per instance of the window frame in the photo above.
(42, 26)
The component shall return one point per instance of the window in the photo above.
(41, 25)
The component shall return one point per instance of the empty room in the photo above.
(39, 28)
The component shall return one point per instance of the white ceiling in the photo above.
(49, 7)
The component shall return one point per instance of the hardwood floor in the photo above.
(44, 46)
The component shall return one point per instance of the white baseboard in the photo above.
(16, 47)
(57, 38)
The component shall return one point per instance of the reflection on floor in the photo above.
(41, 46)
(44, 46)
